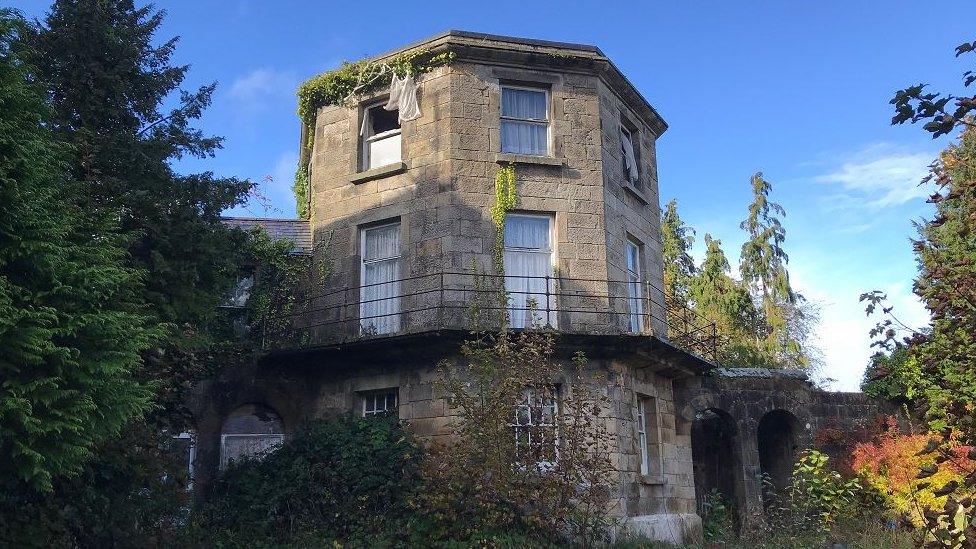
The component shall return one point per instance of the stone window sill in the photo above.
(652, 480)
(507, 158)
(377, 173)
(638, 194)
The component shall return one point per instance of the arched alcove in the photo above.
(250, 430)
(777, 441)
(716, 459)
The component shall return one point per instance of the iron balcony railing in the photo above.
(478, 301)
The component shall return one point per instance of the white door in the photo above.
(528, 268)
(379, 310)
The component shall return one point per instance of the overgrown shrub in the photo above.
(549, 478)
(891, 464)
(346, 481)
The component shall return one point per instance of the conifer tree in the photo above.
(71, 325)
(719, 298)
(762, 265)
(676, 242)
(109, 84)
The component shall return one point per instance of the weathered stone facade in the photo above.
(440, 193)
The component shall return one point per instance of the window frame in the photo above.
(651, 463)
(633, 134)
(527, 402)
(393, 318)
(551, 306)
(547, 121)
(365, 140)
(638, 246)
(365, 395)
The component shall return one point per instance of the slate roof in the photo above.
(761, 372)
(296, 230)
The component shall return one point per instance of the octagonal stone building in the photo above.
(400, 218)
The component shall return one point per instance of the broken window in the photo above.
(380, 137)
(379, 403)
(525, 121)
(628, 149)
(379, 310)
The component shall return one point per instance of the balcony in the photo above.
(476, 301)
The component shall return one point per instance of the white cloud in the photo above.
(842, 335)
(881, 175)
(260, 86)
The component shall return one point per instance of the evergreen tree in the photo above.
(71, 328)
(108, 84)
(762, 264)
(676, 242)
(719, 298)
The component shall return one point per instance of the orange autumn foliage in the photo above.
(890, 463)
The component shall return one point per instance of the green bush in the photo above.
(345, 481)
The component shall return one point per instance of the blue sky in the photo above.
(797, 90)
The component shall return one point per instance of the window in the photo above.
(381, 137)
(249, 431)
(185, 452)
(628, 149)
(379, 310)
(535, 425)
(525, 121)
(635, 295)
(378, 403)
(528, 271)
(648, 435)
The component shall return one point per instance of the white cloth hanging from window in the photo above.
(630, 161)
(403, 98)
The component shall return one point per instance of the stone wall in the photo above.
(769, 416)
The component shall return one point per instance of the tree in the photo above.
(762, 264)
(913, 105)
(71, 323)
(940, 361)
(676, 242)
(721, 299)
(108, 84)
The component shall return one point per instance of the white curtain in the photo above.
(403, 98)
(635, 296)
(523, 136)
(528, 260)
(630, 161)
(381, 287)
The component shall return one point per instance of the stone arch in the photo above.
(249, 431)
(777, 438)
(716, 455)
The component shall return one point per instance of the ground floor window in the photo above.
(535, 425)
(250, 431)
(648, 435)
(380, 403)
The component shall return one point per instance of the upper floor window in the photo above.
(525, 121)
(528, 270)
(379, 310)
(628, 149)
(379, 403)
(635, 294)
(380, 134)
(648, 435)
